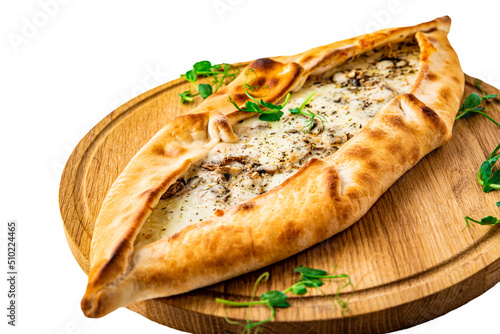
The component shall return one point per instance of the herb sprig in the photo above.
(309, 278)
(220, 73)
(274, 111)
(487, 178)
(308, 113)
(490, 220)
(472, 102)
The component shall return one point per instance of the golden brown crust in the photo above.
(279, 223)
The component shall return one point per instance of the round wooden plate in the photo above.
(409, 258)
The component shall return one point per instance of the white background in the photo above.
(84, 58)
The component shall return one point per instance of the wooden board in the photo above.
(409, 259)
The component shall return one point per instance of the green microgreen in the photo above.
(220, 74)
(472, 103)
(310, 122)
(487, 178)
(490, 220)
(272, 113)
(205, 90)
(484, 221)
(187, 96)
(309, 278)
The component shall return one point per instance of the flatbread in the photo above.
(323, 197)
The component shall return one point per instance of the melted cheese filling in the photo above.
(267, 153)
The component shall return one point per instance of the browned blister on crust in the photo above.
(323, 198)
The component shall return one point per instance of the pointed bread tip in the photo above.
(95, 304)
(89, 306)
(444, 23)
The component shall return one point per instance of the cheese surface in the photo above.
(267, 153)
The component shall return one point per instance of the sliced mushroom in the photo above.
(267, 170)
(194, 181)
(401, 63)
(369, 83)
(214, 192)
(231, 170)
(209, 166)
(174, 189)
(385, 64)
(317, 127)
(355, 74)
(392, 90)
(255, 175)
(338, 141)
(261, 125)
(351, 74)
(226, 160)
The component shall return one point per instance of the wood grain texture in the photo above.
(408, 257)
